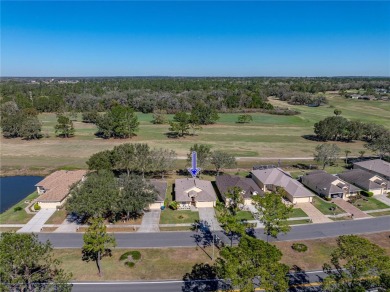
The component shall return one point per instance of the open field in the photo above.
(169, 263)
(270, 136)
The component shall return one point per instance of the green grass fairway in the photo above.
(268, 136)
(324, 207)
(169, 216)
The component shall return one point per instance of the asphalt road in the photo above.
(189, 239)
(314, 277)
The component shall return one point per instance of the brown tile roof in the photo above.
(203, 189)
(57, 184)
(226, 181)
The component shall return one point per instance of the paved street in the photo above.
(315, 215)
(181, 239)
(36, 223)
(351, 209)
(150, 221)
(313, 277)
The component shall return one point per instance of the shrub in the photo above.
(125, 256)
(328, 199)
(130, 264)
(37, 207)
(18, 208)
(299, 247)
(136, 255)
(367, 194)
(174, 205)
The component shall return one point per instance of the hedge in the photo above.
(299, 247)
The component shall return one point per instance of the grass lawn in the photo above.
(169, 216)
(370, 204)
(325, 206)
(298, 212)
(9, 229)
(319, 250)
(297, 222)
(18, 217)
(58, 217)
(155, 264)
(341, 218)
(244, 215)
(250, 140)
(383, 213)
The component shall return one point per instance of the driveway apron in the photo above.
(207, 215)
(150, 221)
(36, 223)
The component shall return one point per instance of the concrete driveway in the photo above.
(36, 222)
(314, 214)
(207, 214)
(150, 221)
(351, 209)
(383, 198)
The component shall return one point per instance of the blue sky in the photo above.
(261, 38)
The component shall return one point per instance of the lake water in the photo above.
(15, 188)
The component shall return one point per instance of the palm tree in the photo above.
(346, 156)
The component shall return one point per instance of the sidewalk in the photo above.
(36, 223)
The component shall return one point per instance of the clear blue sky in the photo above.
(88, 38)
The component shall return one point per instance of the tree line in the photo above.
(174, 94)
(338, 128)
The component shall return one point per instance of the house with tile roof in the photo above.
(375, 166)
(329, 186)
(54, 189)
(194, 192)
(247, 185)
(161, 188)
(271, 178)
(366, 180)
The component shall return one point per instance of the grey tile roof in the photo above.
(226, 181)
(161, 188)
(362, 179)
(324, 183)
(377, 165)
(280, 178)
(203, 189)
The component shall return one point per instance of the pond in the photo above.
(15, 188)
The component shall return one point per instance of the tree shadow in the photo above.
(311, 137)
(298, 277)
(203, 277)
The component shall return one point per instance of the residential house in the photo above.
(54, 189)
(247, 185)
(270, 179)
(366, 180)
(161, 188)
(194, 192)
(328, 186)
(376, 166)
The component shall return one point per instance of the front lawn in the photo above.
(366, 204)
(298, 212)
(326, 208)
(244, 215)
(169, 216)
(58, 217)
(18, 217)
